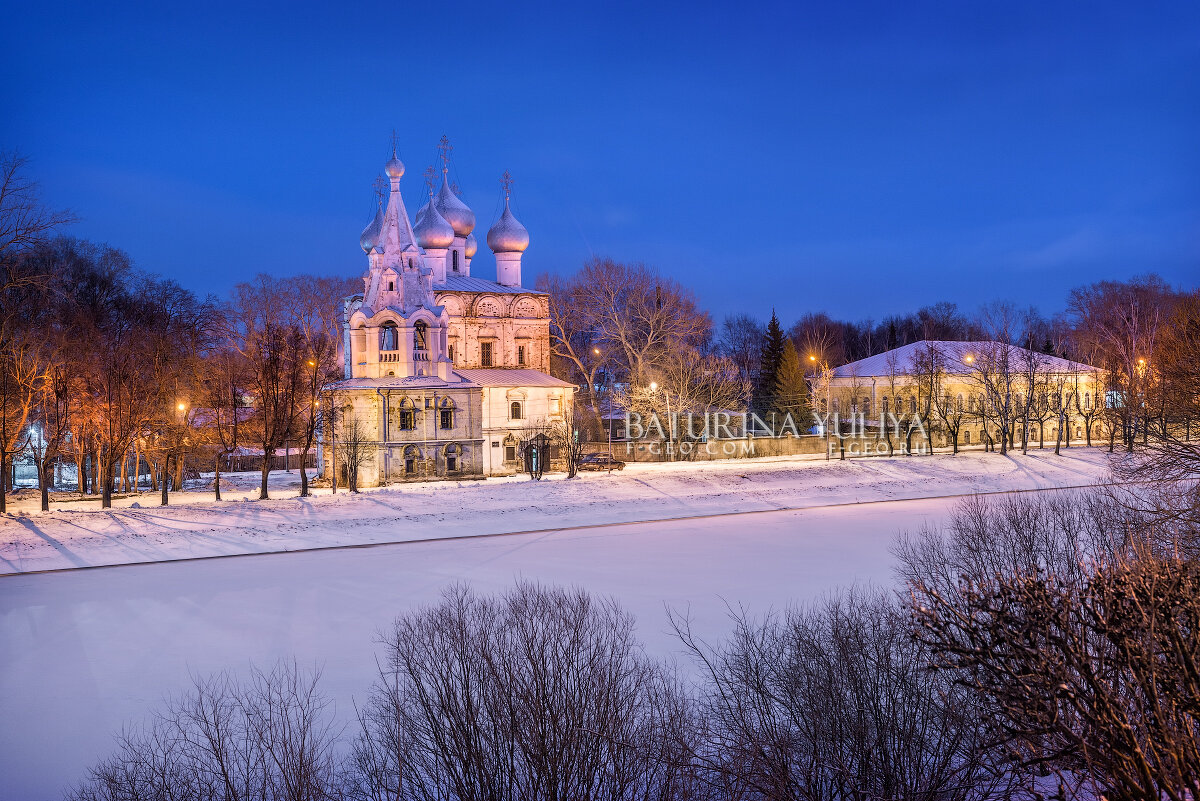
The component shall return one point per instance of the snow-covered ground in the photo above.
(79, 534)
(83, 652)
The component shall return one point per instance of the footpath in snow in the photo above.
(137, 530)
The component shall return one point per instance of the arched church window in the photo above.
(515, 411)
(454, 259)
(866, 406)
(1087, 400)
(959, 403)
(420, 336)
(453, 456)
(885, 405)
(411, 454)
(388, 340)
(391, 286)
(446, 415)
(912, 405)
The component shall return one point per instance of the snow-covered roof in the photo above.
(469, 283)
(956, 359)
(399, 382)
(505, 377)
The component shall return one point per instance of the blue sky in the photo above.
(858, 158)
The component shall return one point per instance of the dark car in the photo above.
(600, 461)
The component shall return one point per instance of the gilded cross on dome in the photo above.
(444, 148)
(429, 179)
(507, 181)
(380, 186)
(395, 141)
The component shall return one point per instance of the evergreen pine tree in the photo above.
(791, 389)
(770, 356)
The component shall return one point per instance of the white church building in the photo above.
(445, 373)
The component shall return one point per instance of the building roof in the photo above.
(397, 382)
(955, 354)
(506, 377)
(469, 283)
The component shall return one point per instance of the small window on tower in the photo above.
(485, 354)
(391, 286)
(454, 258)
(451, 352)
(520, 354)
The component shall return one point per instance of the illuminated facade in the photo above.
(445, 372)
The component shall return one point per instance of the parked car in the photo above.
(600, 461)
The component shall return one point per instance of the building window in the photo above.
(1087, 400)
(520, 354)
(452, 352)
(391, 286)
(485, 354)
(959, 404)
(515, 412)
(454, 258)
(420, 336)
(510, 453)
(967, 437)
(912, 405)
(407, 420)
(447, 418)
(387, 337)
(866, 406)
(886, 406)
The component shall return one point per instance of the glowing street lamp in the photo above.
(969, 358)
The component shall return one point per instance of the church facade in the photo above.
(445, 372)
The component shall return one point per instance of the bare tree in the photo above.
(833, 702)
(640, 315)
(267, 738)
(1116, 327)
(541, 693)
(739, 341)
(1100, 682)
(261, 328)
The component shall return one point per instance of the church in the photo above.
(445, 373)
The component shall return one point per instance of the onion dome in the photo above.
(507, 235)
(472, 246)
(455, 212)
(370, 234)
(432, 230)
(394, 168)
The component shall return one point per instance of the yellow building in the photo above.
(965, 393)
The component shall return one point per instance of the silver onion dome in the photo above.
(455, 212)
(472, 246)
(370, 234)
(432, 230)
(395, 167)
(507, 235)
